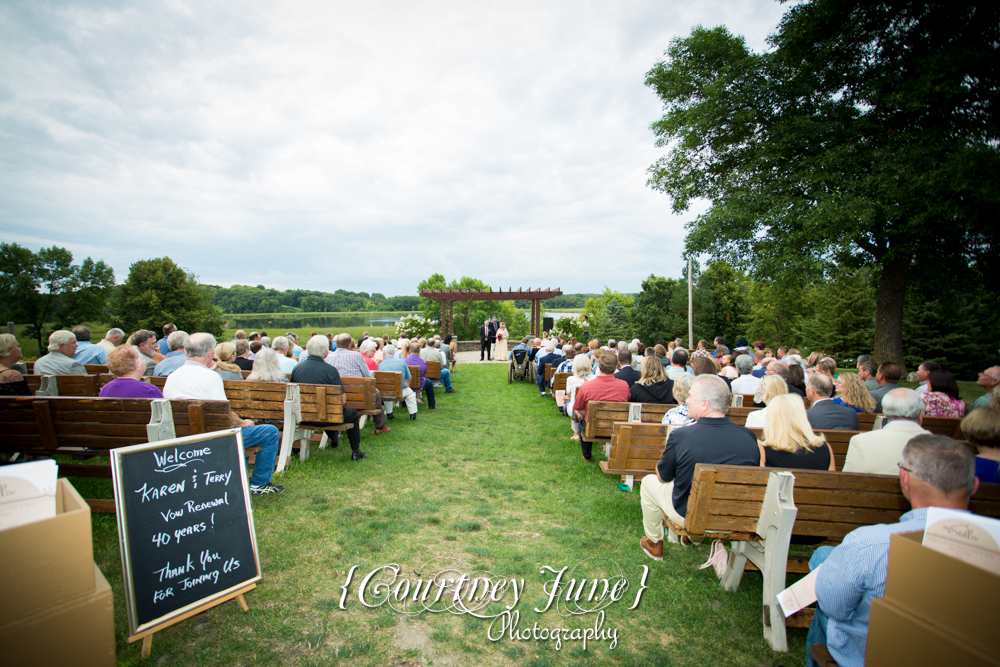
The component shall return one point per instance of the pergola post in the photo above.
(451, 317)
(444, 325)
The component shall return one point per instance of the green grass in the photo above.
(488, 481)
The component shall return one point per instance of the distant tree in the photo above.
(841, 322)
(158, 291)
(655, 313)
(601, 326)
(727, 313)
(46, 288)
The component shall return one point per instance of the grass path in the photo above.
(489, 481)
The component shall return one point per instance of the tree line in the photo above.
(243, 299)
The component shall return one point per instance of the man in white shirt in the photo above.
(922, 371)
(280, 346)
(194, 380)
(746, 383)
(877, 452)
(112, 339)
(678, 364)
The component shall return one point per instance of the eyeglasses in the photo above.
(902, 467)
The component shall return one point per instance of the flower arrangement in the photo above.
(415, 326)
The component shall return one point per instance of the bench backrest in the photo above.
(256, 400)
(433, 370)
(390, 385)
(321, 403)
(839, 442)
(51, 423)
(601, 416)
(549, 368)
(360, 392)
(560, 381)
(830, 504)
(949, 426)
(64, 385)
(414, 377)
(636, 448)
(96, 369)
(866, 420)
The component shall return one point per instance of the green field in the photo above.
(489, 481)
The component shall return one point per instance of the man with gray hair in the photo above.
(824, 413)
(988, 380)
(433, 353)
(59, 360)
(194, 380)
(394, 364)
(175, 357)
(294, 338)
(935, 471)
(550, 357)
(713, 439)
(145, 342)
(87, 352)
(746, 383)
(351, 364)
(878, 451)
(112, 339)
(282, 347)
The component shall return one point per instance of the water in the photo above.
(318, 321)
(559, 316)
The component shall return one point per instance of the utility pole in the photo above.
(690, 308)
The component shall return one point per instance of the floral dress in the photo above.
(940, 404)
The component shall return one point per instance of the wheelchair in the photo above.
(520, 367)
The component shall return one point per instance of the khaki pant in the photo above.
(656, 498)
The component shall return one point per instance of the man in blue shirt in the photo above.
(523, 345)
(87, 352)
(396, 365)
(935, 471)
(175, 354)
(162, 343)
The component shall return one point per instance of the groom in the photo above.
(486, 334)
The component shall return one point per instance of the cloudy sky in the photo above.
(362, 146)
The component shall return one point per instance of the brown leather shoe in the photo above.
(380, 431)
(652, 549)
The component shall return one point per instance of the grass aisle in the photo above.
(489, 481)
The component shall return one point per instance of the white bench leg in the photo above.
(629, 482)
(362, 421)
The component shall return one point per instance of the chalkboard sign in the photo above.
(184, 523)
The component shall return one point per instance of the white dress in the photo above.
(500, 349)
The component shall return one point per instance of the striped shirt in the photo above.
(349, 364)
(853, 576)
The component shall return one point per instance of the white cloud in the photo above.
(361, 146)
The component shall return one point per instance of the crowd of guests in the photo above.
(196, 365)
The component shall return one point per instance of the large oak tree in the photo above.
(867, 136)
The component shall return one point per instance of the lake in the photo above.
(319, 321)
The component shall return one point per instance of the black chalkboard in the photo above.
(184, 523)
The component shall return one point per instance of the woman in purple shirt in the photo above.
(127, 366)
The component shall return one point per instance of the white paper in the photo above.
(635, 413)
(968, 537)
(27, 492)
(799, 595)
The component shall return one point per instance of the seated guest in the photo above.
(813, 359)
(255, 347)
(452, 344)
(566, 365)
(59, 360)
(625, 370)
(194, 380)
(128, 367)
(781, 369)
(935, 471)
(867, 370)
(759, 366)
(87, 352)
(720, 347)
(713, 439)
(922, 370)
(604, 387)
(225, 355)
(112, 339)
(678, 364)
(707, 366)
(941, 398)
(988, 380)
(242, 358)
(888, 379)
(550, 357)
(679, 416)
(728, 369)
(877, 452)
(634, 349)
(392, 363)
(796, 378)
(824, 413)
(368, 348)
(852, 393)
(828, 367)
(285, 351)
(581, 373)
(145, 341)
(266, 368)
(351, 364)
(702, 349)
(982, 430)
(164, 344)
(425, 385)
(789, 440)
(653, 386)
(523, 345)
(771, 386)
(175, 357)
(432, 352)
(746, 383)
(661, 354)
(12, 383)
(313, 369)
(445, 351)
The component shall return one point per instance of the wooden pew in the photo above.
(559, 383)
(64, 385)
(838, 439)
(88, 427)
(602, 415)
(759, 509)
(308, 407)
(414, 378)
(361, 394)
(96, 369)
(433, 371)
(635, 449)
(390, 385)
(949, 426)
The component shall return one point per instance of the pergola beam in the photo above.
(450, 296)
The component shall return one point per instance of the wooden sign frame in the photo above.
(146, 630)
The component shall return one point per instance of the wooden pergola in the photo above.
(448, 297)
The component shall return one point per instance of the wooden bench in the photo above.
(361, 395)
(601, 416)
(96, 369)
(87, 427)
(390, 385)
(64, 385)
(839, 441)
(308, 407)
(433, 371)
(414, 378)
(635, 449)
(949, 426)
(760, 509)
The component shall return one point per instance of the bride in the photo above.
(500, 351)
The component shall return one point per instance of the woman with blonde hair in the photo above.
(581, 373)
(851, 392)
(12, 383)
(813, 359)
(266, 368)
(789, 441)
(771, 387)
(682, 388)
(225, 354)
(982, 429)
(653, 386)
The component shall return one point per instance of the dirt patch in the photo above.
(412, 636)
(447, 660)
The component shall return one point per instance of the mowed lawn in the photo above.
(488, 482)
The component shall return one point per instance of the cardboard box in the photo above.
(79, 632)
(930, 596)
(47, 562)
